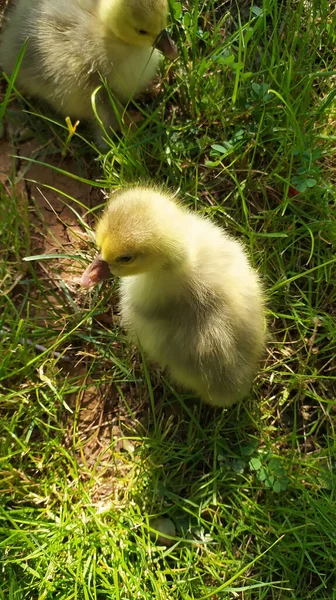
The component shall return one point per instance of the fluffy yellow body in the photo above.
(188, 293)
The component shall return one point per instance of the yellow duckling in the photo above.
(188, 292)
(71, 43)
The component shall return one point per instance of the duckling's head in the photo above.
(140, 231)
(138, 22)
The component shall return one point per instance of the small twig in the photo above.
(38, 347)
(12, 286)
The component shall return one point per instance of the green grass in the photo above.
(94, 448)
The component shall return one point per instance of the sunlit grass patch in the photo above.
(95, 443)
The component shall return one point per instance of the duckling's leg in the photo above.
(226, 386)
(106, 121)
(112, 118)
(218, 387)
(222, 399)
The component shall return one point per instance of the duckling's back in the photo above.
(66, 53)
(205, 323)
(58, 35)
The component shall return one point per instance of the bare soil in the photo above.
(56, 203)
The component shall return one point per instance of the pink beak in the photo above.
(96, 272)
(166, 45)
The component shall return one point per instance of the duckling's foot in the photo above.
(101, 144)
(131, 119)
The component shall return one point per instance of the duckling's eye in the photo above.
(124, 259)
(142, 31)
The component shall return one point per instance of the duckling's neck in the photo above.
(108, 14)
(170, 281)
(157, 288)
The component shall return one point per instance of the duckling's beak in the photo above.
(96, 272)
(166, 45)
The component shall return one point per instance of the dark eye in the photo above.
(124, 259)
(142, 32)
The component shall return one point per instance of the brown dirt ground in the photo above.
(96, 423)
